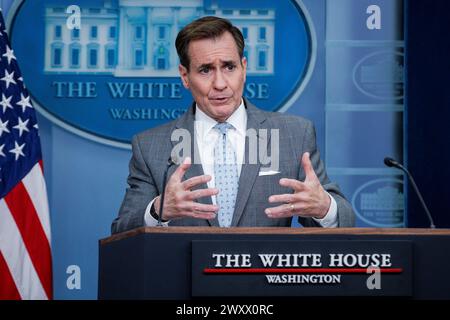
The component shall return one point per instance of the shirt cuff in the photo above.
(149, 221)
(330, 220)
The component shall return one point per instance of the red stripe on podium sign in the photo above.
(296, 270)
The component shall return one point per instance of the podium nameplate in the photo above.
(301, 268)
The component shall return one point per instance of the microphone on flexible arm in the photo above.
(170, 162)
(392, 163)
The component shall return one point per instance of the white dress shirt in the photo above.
(206, 137)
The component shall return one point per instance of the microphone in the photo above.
(170, 162)
(392, 163)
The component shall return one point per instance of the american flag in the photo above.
(25, 250)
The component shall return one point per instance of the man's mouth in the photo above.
(219, 99)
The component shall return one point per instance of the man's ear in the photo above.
(244, 62)
(244, 66)
(184, 75)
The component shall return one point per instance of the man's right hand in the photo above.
(179, 199)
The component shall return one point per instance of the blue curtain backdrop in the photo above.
(428, 99)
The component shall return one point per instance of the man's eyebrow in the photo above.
(211, 65)
(205, 65)
(228, 62)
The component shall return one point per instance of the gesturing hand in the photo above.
(308, 200)
(179, 199)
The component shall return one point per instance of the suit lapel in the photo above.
(249, 171)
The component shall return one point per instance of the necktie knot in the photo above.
(222, 127)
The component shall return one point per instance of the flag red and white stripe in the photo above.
(25, 255)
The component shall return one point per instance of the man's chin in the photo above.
(222, 116)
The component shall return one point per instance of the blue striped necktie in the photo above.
(225, 175)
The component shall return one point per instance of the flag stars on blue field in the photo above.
(15, 130)
(17, 150)
(8, 78)
(6, 102)
(9, 54)
(18, 127)
(22, 126)
(24, 102)
(4, 127)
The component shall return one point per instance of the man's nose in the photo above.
(219, 81)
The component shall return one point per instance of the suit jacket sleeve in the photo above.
(141, 190)
(346, 216)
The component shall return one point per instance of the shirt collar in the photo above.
(204, 123)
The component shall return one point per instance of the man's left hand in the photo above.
(308, 200)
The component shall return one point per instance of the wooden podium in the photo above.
(161, 262)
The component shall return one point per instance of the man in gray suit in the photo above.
(218, 182)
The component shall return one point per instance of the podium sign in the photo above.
(189, 262)
(301, 268)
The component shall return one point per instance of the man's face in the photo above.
(216, 77)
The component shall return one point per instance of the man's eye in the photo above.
(204, 70)
(230, 67)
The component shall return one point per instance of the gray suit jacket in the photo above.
(152, 148)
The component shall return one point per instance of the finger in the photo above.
(201, 215)
(282, 198)
(200, 193)
(293, 184)
(307, 166)
(203, 208)
(196, 214)
(192, 206)
(181, 170)
(195, 181)
(282, 211)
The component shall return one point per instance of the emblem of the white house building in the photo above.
(137, 38)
